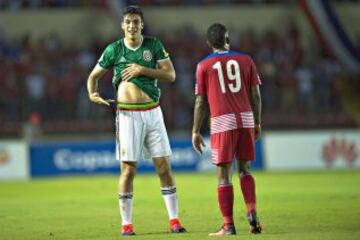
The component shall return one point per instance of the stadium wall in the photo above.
(83, 25)
(72, 26)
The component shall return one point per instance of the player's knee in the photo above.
(224, 180)
(128, 173)
(243, 167)
(164, 170)
(224, 173)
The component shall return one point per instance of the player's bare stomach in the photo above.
(128, 92)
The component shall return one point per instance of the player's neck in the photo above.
(133, 43)
(225, 48)
(220, 50)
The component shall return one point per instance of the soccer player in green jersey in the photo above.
(138, 62)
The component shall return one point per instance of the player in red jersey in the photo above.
(227, 83)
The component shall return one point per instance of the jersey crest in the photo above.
(147, 56)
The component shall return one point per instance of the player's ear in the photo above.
(208, 43)
(227, 43)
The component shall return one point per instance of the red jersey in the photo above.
(225, 78)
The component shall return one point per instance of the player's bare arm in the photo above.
(94, 95)
(200, 110)
(256, 107)
(164, 72)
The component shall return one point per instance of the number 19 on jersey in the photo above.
(232, 73)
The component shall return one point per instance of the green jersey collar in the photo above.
(131, 48)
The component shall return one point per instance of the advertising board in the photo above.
(74, 158)
(312, 149)
(13, 160)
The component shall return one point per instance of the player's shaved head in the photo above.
(217, 35)
(133, 9)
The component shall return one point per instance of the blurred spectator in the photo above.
(35, 90)
(304, 78)
(32, 128)
(9, 100)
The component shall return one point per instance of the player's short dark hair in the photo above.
(133, 9)
(216, 35)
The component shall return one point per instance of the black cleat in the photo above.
(178, 229)
(255, 226)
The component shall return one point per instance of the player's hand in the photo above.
(198, 142)
(132, 70)
(95, 97)
(257, 131)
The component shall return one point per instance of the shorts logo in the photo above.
(147, 56)
(123, 152)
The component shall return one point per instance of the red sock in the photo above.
(226, 202)
(247, 184)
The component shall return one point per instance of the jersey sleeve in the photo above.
(159, 51)
(200, 89)
(254, 75)
(107, 58)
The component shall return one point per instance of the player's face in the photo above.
(132, 26)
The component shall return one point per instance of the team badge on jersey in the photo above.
(147, 56)
(166, 54)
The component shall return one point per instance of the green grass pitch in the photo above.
(292, 205)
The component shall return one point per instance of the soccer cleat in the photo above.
(175, 226)
(224, 231)
(127, 230)
(255, 226)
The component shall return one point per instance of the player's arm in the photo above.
(92, 88)
(164, 72)
(200, 109)
(256, 107)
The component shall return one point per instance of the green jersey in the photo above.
(148, 54)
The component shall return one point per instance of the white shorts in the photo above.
(141, 132)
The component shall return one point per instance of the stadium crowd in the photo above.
(48, 78)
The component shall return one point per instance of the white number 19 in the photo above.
(233, 73)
